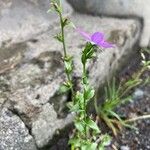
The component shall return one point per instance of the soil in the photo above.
(136, 139)
(128, 139)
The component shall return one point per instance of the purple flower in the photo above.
(96, 38)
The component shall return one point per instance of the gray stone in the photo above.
(33, 83)
(138, 94)
(47, 124)
(23, 20)
(125, 148)
(138, 9)
(4, 85)
(13, 133)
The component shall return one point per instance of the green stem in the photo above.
(72, 147)
(63, 35)
(84, 83)
(137, 77)
(84, 70)
(128, 89)
(85, 117)
(64, 49)
(69, 79)
(95, 103)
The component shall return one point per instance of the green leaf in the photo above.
(65, 22)
(83, 58)
(55, 4)
(72, 25)
(70, 105)
(75, 142)
(83, 147)
(76, 108)
(85, 80)
(56, 1)
(87, 53)
(101, 147)
(90, 54)
(89, 92)
(131, 82)
(68, 58)
(68, 65)
(79, 98)
(106, 139)
(79, 125)
(59, 37)
(89, 146)
(92, 146)
(110, 104)
(92, 125)
(64, 88)
(126, 100)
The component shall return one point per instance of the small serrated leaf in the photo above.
(63, 89)
(56, 5)
(89, 93)
(75, 142)
(88, 146)
(68, 66)
(79, 97)
(71, 24)
(92, 125)
(75, 108)
(59, 37)
(93, 146)
(65, 22)
(106, 140)
(87, 53)
(70, 105)
(79, 126)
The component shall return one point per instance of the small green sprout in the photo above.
(115, 96)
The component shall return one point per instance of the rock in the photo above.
(124, 148)
(13, 133)
(46, 125)
(22, 21)
(148, 147)
(138, 94)
(123, 8)
(33, 83)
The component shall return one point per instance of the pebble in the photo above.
(148, 147)
(138, 94)
(124, 148)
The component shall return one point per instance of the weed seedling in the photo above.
(87, 135)
(117, 95)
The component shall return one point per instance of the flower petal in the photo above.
(97, 37)
(105, 44)
(84, 34)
